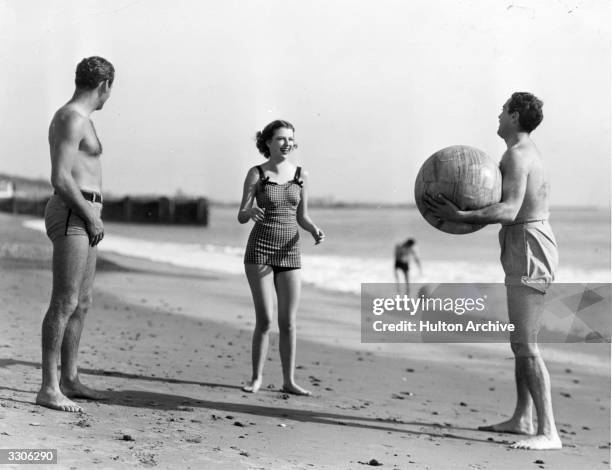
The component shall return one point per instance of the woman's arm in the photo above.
(247, 211)
(303, 218)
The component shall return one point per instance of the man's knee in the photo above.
(64, 304)
(525, 349)
(85, 301)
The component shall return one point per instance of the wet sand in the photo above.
(172, 348)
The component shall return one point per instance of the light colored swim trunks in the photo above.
(61, 221)
(529, 254)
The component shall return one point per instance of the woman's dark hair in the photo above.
(268, 133)
(408, 243)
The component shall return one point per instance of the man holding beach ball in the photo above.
(529, 257)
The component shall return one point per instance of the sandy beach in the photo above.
(172, 348)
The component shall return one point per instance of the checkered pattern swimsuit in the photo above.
(275, 240)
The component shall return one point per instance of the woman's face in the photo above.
(282, 142)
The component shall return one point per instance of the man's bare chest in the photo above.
(90, 143)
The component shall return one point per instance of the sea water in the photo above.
(360, 244)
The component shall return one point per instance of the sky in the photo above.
(372, 87)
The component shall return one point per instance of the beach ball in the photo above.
(465, 175)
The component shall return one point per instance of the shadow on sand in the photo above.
(168, 402)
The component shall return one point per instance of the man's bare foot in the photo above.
(253, 387)
(539, 442)
(57, 401)
(512, 426)
(296, 390)
(76, 389)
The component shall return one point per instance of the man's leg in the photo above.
(398, 283)
(70, 256)
(407, 280)
(521, 421)
(525, 309)
(70, 384)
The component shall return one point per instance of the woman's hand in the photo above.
(256, 214)
(318, 235)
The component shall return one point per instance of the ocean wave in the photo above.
(337, 273)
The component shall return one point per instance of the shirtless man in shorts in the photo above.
(72, 219)
(529, 257)
(404, 253)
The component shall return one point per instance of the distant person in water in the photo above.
(405, 253)
(73, 223)
(272, 257)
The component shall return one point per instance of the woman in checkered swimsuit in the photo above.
(272, 256)
(275, 240)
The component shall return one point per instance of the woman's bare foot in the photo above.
(296, 390)
(75, 389)
(56, 401)
(253, 387)
(540, 442)
(512, 426)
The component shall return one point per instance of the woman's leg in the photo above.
(261, 281)
(288, 287)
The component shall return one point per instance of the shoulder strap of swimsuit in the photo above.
(261, 173)
(296, 177)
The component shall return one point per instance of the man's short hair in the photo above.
(92, 71)
(529, 108)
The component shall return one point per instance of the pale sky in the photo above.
(372, 87)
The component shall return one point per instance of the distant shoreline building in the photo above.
(7, 189)
(20, 195)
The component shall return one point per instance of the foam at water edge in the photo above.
(338, 273)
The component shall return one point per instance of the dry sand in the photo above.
(172, 348)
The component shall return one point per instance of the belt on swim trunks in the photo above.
(523, 222)
(93, 197)
(90, 196)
